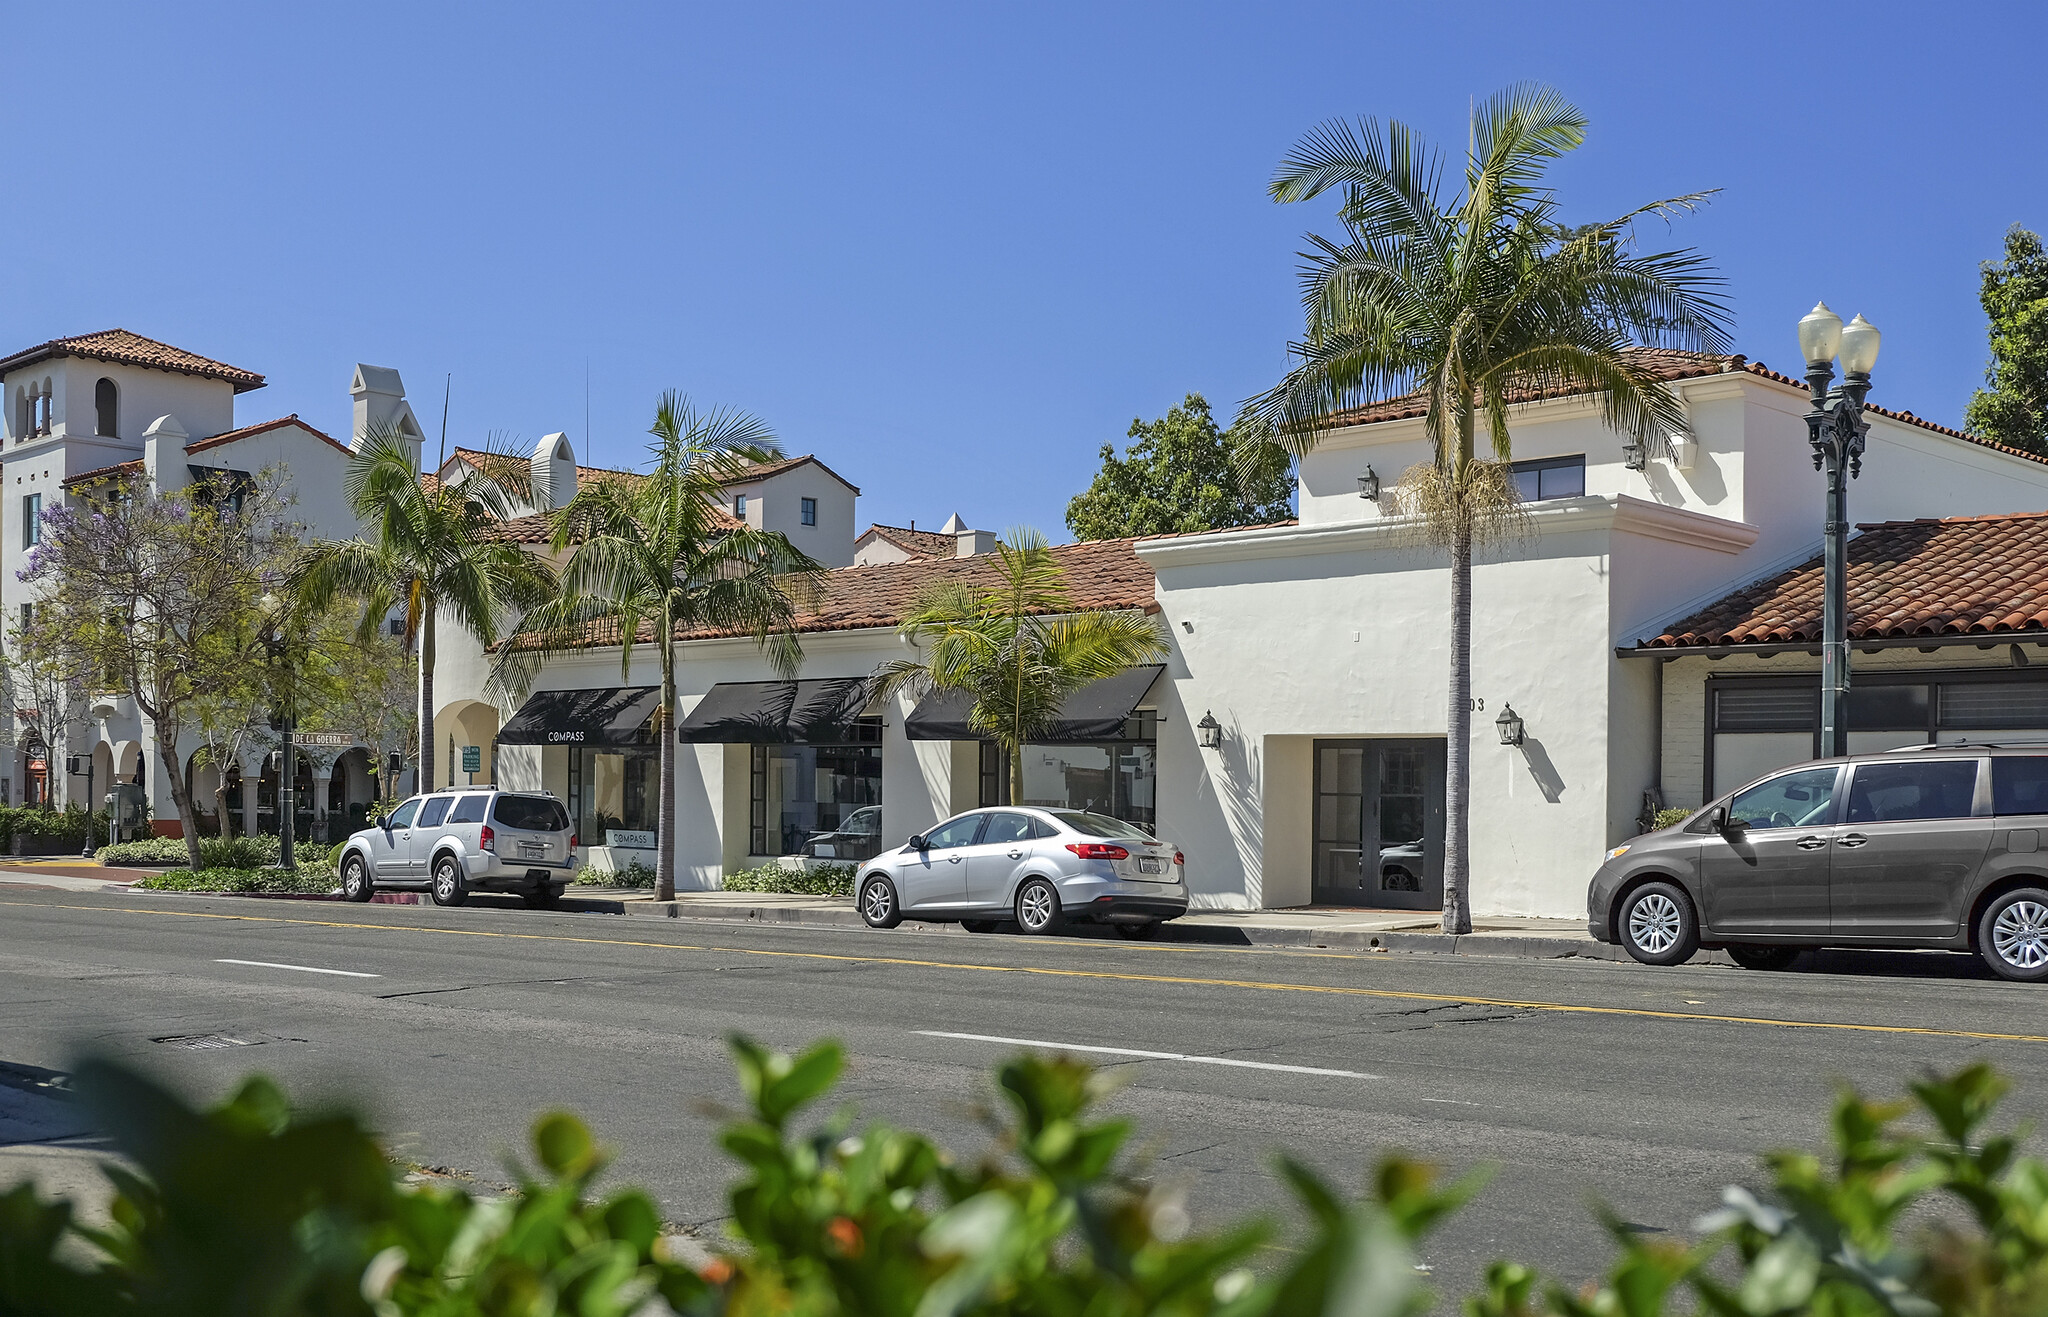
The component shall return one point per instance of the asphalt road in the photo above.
(1580, 1080)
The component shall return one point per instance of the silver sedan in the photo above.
(1039, 867)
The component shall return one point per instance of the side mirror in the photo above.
(917, 842)
(1717, 818)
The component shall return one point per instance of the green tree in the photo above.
(656, 555)
(156, 592)
(427, 547)
(1018, 648)
(1473, 301)
(1177, 475)
(2014, 410)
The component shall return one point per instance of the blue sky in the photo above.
(952, 249)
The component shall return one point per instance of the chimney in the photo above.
(380, 403)
(968, 543)
(554, 472)
(163, 455)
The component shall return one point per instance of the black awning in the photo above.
(819, 711)
(607, 715)
(1096, 712)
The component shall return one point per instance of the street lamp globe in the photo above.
(1820, 335)
(1859, 347)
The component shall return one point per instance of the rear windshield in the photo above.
(1099, 825)
(531, 813)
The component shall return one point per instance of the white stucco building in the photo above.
(1320, 647)
(114, 404)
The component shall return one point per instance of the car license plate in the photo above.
(1147, 864)
(533, 848)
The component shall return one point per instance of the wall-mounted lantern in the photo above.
(1509, 725)
(1209, 732)
(1369, 484)
(1635, 454)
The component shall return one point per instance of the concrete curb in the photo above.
(1507, 945)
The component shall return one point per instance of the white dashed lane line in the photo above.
(1146, 1056)
(303, 969)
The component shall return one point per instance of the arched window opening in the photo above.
(562, 451)
(45, 422)
(21, 414)
(105, 402)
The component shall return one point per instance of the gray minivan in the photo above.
(1934, 846)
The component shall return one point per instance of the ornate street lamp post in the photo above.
(278, 644)
(1835, 427)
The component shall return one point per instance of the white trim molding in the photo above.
(1622, 513)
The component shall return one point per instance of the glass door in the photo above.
(1379, 823)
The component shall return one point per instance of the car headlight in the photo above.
(1618, 852)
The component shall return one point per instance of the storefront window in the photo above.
(1118, 778)
(820, 800)
(614, 791)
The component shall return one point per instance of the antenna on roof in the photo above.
(586, 406)
(447, 388)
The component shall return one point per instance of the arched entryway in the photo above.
(351, 790)
(465, 723)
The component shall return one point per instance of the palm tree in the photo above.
(656, 556)
(1474, 302)
(1018, 648)
(427, 546)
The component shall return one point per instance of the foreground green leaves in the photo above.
(251, 1208)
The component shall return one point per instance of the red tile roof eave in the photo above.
(1937, 581)
(247, 431)
(82, 345)
(103, 472)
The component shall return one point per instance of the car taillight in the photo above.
(574, 838)
(487, 839)
(1095, 850)
(1180, 859)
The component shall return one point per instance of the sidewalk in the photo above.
(1333, 927)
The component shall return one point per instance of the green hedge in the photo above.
(253, 1207)
(65, 828)
(821, 880)
(636, 875)
(308, 879)
(216, 853)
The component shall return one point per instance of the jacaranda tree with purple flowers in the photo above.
(157, 594)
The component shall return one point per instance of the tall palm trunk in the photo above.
(425, 780)
(1458, 750)
(1017, 773)
(665, 810)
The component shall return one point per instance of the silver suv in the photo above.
(1038, 867)
(465, 839)
(1934, 847)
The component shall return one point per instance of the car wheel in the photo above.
(1658, 926)
(2012, 935)
(1038, 907)
(878, 904)
(1139, 932)
(449, 887)
(547, 896)
(980, 925)
(355, 880)
(1764, 958)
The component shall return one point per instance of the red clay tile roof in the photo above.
(230, 436)
(105, 472)
(755, 471)
(916, 543)
(1955, 576)
(1670, 365)
(538, 527)
(127, 349)
(1101, 574)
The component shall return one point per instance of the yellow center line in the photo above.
(1259, 985)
